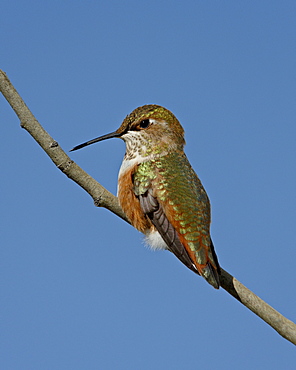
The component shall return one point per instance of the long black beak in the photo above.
(104, 137)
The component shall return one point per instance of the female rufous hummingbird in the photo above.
(159, 191)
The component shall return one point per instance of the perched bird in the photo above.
(159, 191)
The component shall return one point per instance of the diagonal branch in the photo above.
(103, 198)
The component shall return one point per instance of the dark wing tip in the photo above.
(211, 276)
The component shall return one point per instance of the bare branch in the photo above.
(103, 198)
(285, 327)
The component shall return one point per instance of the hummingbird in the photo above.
(159, 191)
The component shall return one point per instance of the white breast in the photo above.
(127, 164)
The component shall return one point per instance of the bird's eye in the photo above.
(145, 123)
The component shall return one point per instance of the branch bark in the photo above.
(103, 198)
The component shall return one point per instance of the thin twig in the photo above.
(103, 198)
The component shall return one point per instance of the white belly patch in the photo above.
(155, 241)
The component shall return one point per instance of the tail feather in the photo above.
(211, 273)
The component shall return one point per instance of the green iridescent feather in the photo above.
(177, 187)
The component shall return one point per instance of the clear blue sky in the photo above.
(79, 290)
